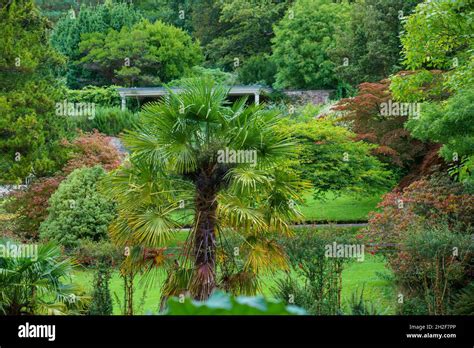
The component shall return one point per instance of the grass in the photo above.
(366, 275)
(355, 277)
(344, 208)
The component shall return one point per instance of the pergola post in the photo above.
(257, 98)
(124, 103)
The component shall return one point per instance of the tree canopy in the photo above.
(145, 55)
(302, 40)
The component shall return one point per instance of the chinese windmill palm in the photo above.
(39, 285)
(175, 165)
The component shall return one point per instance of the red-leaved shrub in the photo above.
(395, 144)
(424, 231)
(30, 204)
(429, 201)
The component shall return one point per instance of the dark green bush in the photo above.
(258, 70)
(91, 253)
(107, 120)
(316, 281)
(358, 305)
(413, 306)
(101, 303)
(77, 210)
(464, 301)
(103, 96)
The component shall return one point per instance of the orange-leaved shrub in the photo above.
(30, 204)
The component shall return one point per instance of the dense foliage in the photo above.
(101, 302)
(27, 96)
(77, 210)
(107, 120)
(368, 49)
(36, 283)
(302, 40)
(248, 30)
(425, 233)
(30, 205)
(320, 291)
(332, 159)
(220, 303)
(145, 55)
(395, 145)
(67, 35)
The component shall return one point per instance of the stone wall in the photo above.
(311, 96)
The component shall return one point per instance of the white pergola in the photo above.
(237, 91)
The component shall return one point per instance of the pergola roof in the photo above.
(160, 91)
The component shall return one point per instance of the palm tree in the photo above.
(182, 160)
(34, 284)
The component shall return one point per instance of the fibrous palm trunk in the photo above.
(204, 243)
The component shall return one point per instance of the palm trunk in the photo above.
(204, 244)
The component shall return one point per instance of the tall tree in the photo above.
(302, 41)
(175, 12)
(248, 31)
(439, 35)
(29, 129)
(68, 32)
(185, 155)
(368, 49)
(146, 54)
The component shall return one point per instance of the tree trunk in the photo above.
(204, 244)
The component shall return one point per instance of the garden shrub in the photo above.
(91, 253)
(30, 204)
(394, 144)
(464, 301)
(77, 210)
(90, 149)
(432, 264)
(425, 233)
(316, 283)
(101, 303)
(412, 306)
(106, 96)
(425, 200)
(108, 120)
(333, 160)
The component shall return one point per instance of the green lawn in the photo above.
(355, 276)
(366, 275)
(343, 208)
